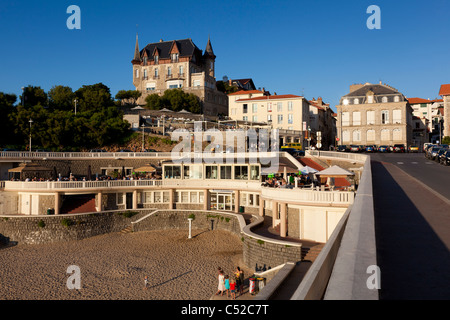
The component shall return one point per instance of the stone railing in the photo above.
(304, 195)
(340, 270)
(78, 185)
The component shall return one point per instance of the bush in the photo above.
(41, 224)
(66, 222)
(191, 216)
(128, 214)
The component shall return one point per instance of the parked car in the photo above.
(439, 153)
(428, 149)
(355, 148)
(445, 158)
(342, 148)
(413, 149)
(425, 146)
(433, 152)
(399, 148)
(383, 149)
(371, 148)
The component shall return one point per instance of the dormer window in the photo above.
(396, 99)
(384, 99)
(345, 102)
(156, 59)
(174, 57)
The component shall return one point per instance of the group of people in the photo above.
(293, 180)
(230, 284)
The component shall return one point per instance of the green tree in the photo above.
(33, 96)
(446, 140)
(61, 98)
(153, 102)
(128, 96)
(6, 110)
(94, 97)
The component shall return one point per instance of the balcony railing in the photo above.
(297, 195)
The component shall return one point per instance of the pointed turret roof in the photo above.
(137, 54)
(209, 50)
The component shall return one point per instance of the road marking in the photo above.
(414, 162)
(399, 162)
(428, 162)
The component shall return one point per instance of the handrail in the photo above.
(340, 270)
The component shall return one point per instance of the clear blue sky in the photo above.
(317, 48)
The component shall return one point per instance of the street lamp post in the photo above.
(30, 121)
(143, 141)
(75, 106)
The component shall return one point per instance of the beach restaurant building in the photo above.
(302, 211)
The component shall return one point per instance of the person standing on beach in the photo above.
(145, 282)
(239, 280)
(233, 288)
(221, 286)
(227, 285)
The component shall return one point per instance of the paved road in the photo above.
(430, 172)
(412, 224)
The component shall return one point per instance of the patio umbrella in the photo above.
(335, 171)
(308, 169)
(146, 168)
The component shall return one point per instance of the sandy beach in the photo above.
(113, 266)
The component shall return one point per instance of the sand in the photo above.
(113, 266)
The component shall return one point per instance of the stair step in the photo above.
(126, 230)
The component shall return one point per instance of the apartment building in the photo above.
(444, 92)
(374, 114)
(179, 64)
(322, 124)
(289, 113)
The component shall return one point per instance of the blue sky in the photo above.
(315, 48)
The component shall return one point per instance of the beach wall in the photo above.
(52, 228)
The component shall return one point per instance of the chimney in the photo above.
(161, 40)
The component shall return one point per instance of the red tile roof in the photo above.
(245, 92)
(445, 90)
(274, 97)
(418, 100)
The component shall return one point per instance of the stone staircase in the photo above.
(311, 253)
(78, 204)
(126, 230)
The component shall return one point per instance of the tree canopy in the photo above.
(98, 121)
(174, 99)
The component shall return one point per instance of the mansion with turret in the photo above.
(179, 64)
